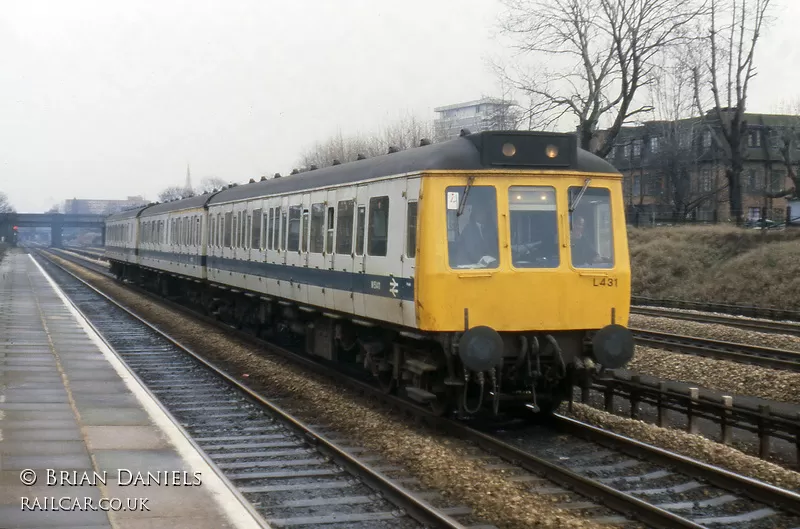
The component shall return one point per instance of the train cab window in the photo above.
(533, 219)
(317, 227)
(378, 237)
(591, 235)
(304, 228)
(270, 228)
(228, 224)
(360, 221)
(284, 225)
(329, 233)
(472, 240)
(293, 242)
(344, 228)
(411, 230)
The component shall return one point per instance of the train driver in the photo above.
(583, 250)
(478, 240)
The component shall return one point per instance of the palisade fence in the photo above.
(656, 216)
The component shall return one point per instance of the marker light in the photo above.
(551, 151)
(509, 149)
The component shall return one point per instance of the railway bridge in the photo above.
(55, 221)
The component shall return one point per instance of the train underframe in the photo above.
(533, 372)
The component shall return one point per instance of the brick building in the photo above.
(676, 169)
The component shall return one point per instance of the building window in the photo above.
(654, 144)
(705, 181)
(753, 180)
(707, 139)
(637, 148)
(754, 138)
(626, 150)
(753, 213)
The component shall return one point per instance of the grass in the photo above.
(717, 263)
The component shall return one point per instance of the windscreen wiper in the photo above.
(580, 195)
(464, 198)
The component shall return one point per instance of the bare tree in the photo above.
(404, 133)
(210, 184)
(5, 205)
(174, 193)
(603, 51)
(732, 47)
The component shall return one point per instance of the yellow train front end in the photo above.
(527, 270)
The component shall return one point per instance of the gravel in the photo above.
(437, 461)
(715, 331)
(719, 375)
(690, 445)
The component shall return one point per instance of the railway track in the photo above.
(771, 326)
(769, 313)
(721, 350)
(291, 475)
(655, 487)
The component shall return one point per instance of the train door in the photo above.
(408, 252)
(330, 279)
(344, 252)
(382, 246)
(315, 255)
(358, 281)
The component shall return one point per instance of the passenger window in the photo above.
(293, 244)
(270, 236)
(228, 229)
(198, 232)
(344, 228)
(317, 220)
(304, 227)
(284, 225)
(360, 230)
(251, 230)
(329, 237)
(472, 240)
(377, 240)
(235, 230)
(411, 230)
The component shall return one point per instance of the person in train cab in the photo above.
(478, 239)
(583, 250)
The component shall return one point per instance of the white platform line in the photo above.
(237, 513)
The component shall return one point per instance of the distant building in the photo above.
(484, 114)
(681, 162)
(101, 207)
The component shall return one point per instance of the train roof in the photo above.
(177, 205)
(127, 214)
(469, 152)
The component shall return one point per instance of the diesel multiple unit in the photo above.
(485, 272)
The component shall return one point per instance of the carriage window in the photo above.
(284, 224)
(411, 227)
(360, 230)
(235, 231)
(304, 227)
(317, 226)
(533, 223)
(198, 233)
(251, 230)
(472, 236)
(329, 237)
(591, 238)
(241, 224)
(255, 239)
(344, 229)
(270, 227)
(265, 230)
(378, 226)
(228, 225)
(293, 244)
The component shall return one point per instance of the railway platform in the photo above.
(82, 444)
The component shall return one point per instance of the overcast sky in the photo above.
(106, 99)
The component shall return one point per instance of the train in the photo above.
(486, 274)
